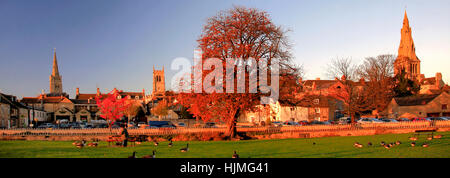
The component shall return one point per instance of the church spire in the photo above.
(407, 48)
(406, 58)
(55, 71)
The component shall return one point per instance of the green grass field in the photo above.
(328, 147)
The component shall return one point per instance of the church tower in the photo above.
(55, 78)
(407, 59)
(159, 86)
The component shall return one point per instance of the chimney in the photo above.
(318, 78)
(78, 92)
(421, 77)
(438, 79)
(98, 91)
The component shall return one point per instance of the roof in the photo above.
(320, 84)
(51, 99)
(415, 100)
(429, 81)
(309, 101)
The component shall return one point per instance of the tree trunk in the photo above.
(231, 125)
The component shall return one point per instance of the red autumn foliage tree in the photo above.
(239, 33)
(112, 107)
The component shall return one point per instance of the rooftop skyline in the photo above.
(115, 44)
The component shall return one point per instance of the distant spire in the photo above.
(407, 48)
(55, 71)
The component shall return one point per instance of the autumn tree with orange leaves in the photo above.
(112, 106)
(238, 33)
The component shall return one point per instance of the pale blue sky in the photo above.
(115, 43)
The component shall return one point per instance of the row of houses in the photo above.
(16, 114)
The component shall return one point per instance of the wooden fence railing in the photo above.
(181, 130)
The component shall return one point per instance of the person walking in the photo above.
(124, 134)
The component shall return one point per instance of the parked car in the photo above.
(291, 123)
(210, 125)
(181, 124)
(277, 124)
(420, 119)
(387, 120)
(160, 124)
(303, 122)
(436, 119)
(345, 120)
(46, 125)
(315, 122)
(101, 126)
(369, 120)
(403, 119)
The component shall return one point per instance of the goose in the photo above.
(171, 143)
(80, 145)
(185, 149)
(150, 156)
(413, 144)
(357, 144)
(133, 156)
(369, 144)
(430, 138)
(235, 155)
(382, 143)
(413, 138)
(398, 142)
(93, 144)
(155, 143)
(425, 145)
(387, 147)
(437, 136)
(314, 143)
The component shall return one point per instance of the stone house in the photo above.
(423, 105)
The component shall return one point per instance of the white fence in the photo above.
(181, 130)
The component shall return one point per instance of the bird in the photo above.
(369, 144)
(314, 143)
(133, 156)
(430, 138)
(150, 156)
(425, 145)
(382, 143)
(387, 147)
(235, 155)
(93, 144)
(413, 144)
(171, 143)
(437, 136)
(80, 145)
(357, 144)
(185, 149)
(398, 142)
(413, 138)
(155, 143)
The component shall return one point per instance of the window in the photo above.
(444, 106)
(316, 101)
(317, 110)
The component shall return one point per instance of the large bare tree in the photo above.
(378, 72)
(238, 33)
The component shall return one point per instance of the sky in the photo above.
(115, 43)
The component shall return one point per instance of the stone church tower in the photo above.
(407, 59)
(159, 86)
(55, 79)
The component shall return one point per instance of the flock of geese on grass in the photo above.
(94, 143)
(392, 144)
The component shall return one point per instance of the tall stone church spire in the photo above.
(55, 78)
(55, 71)
(406, 58)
